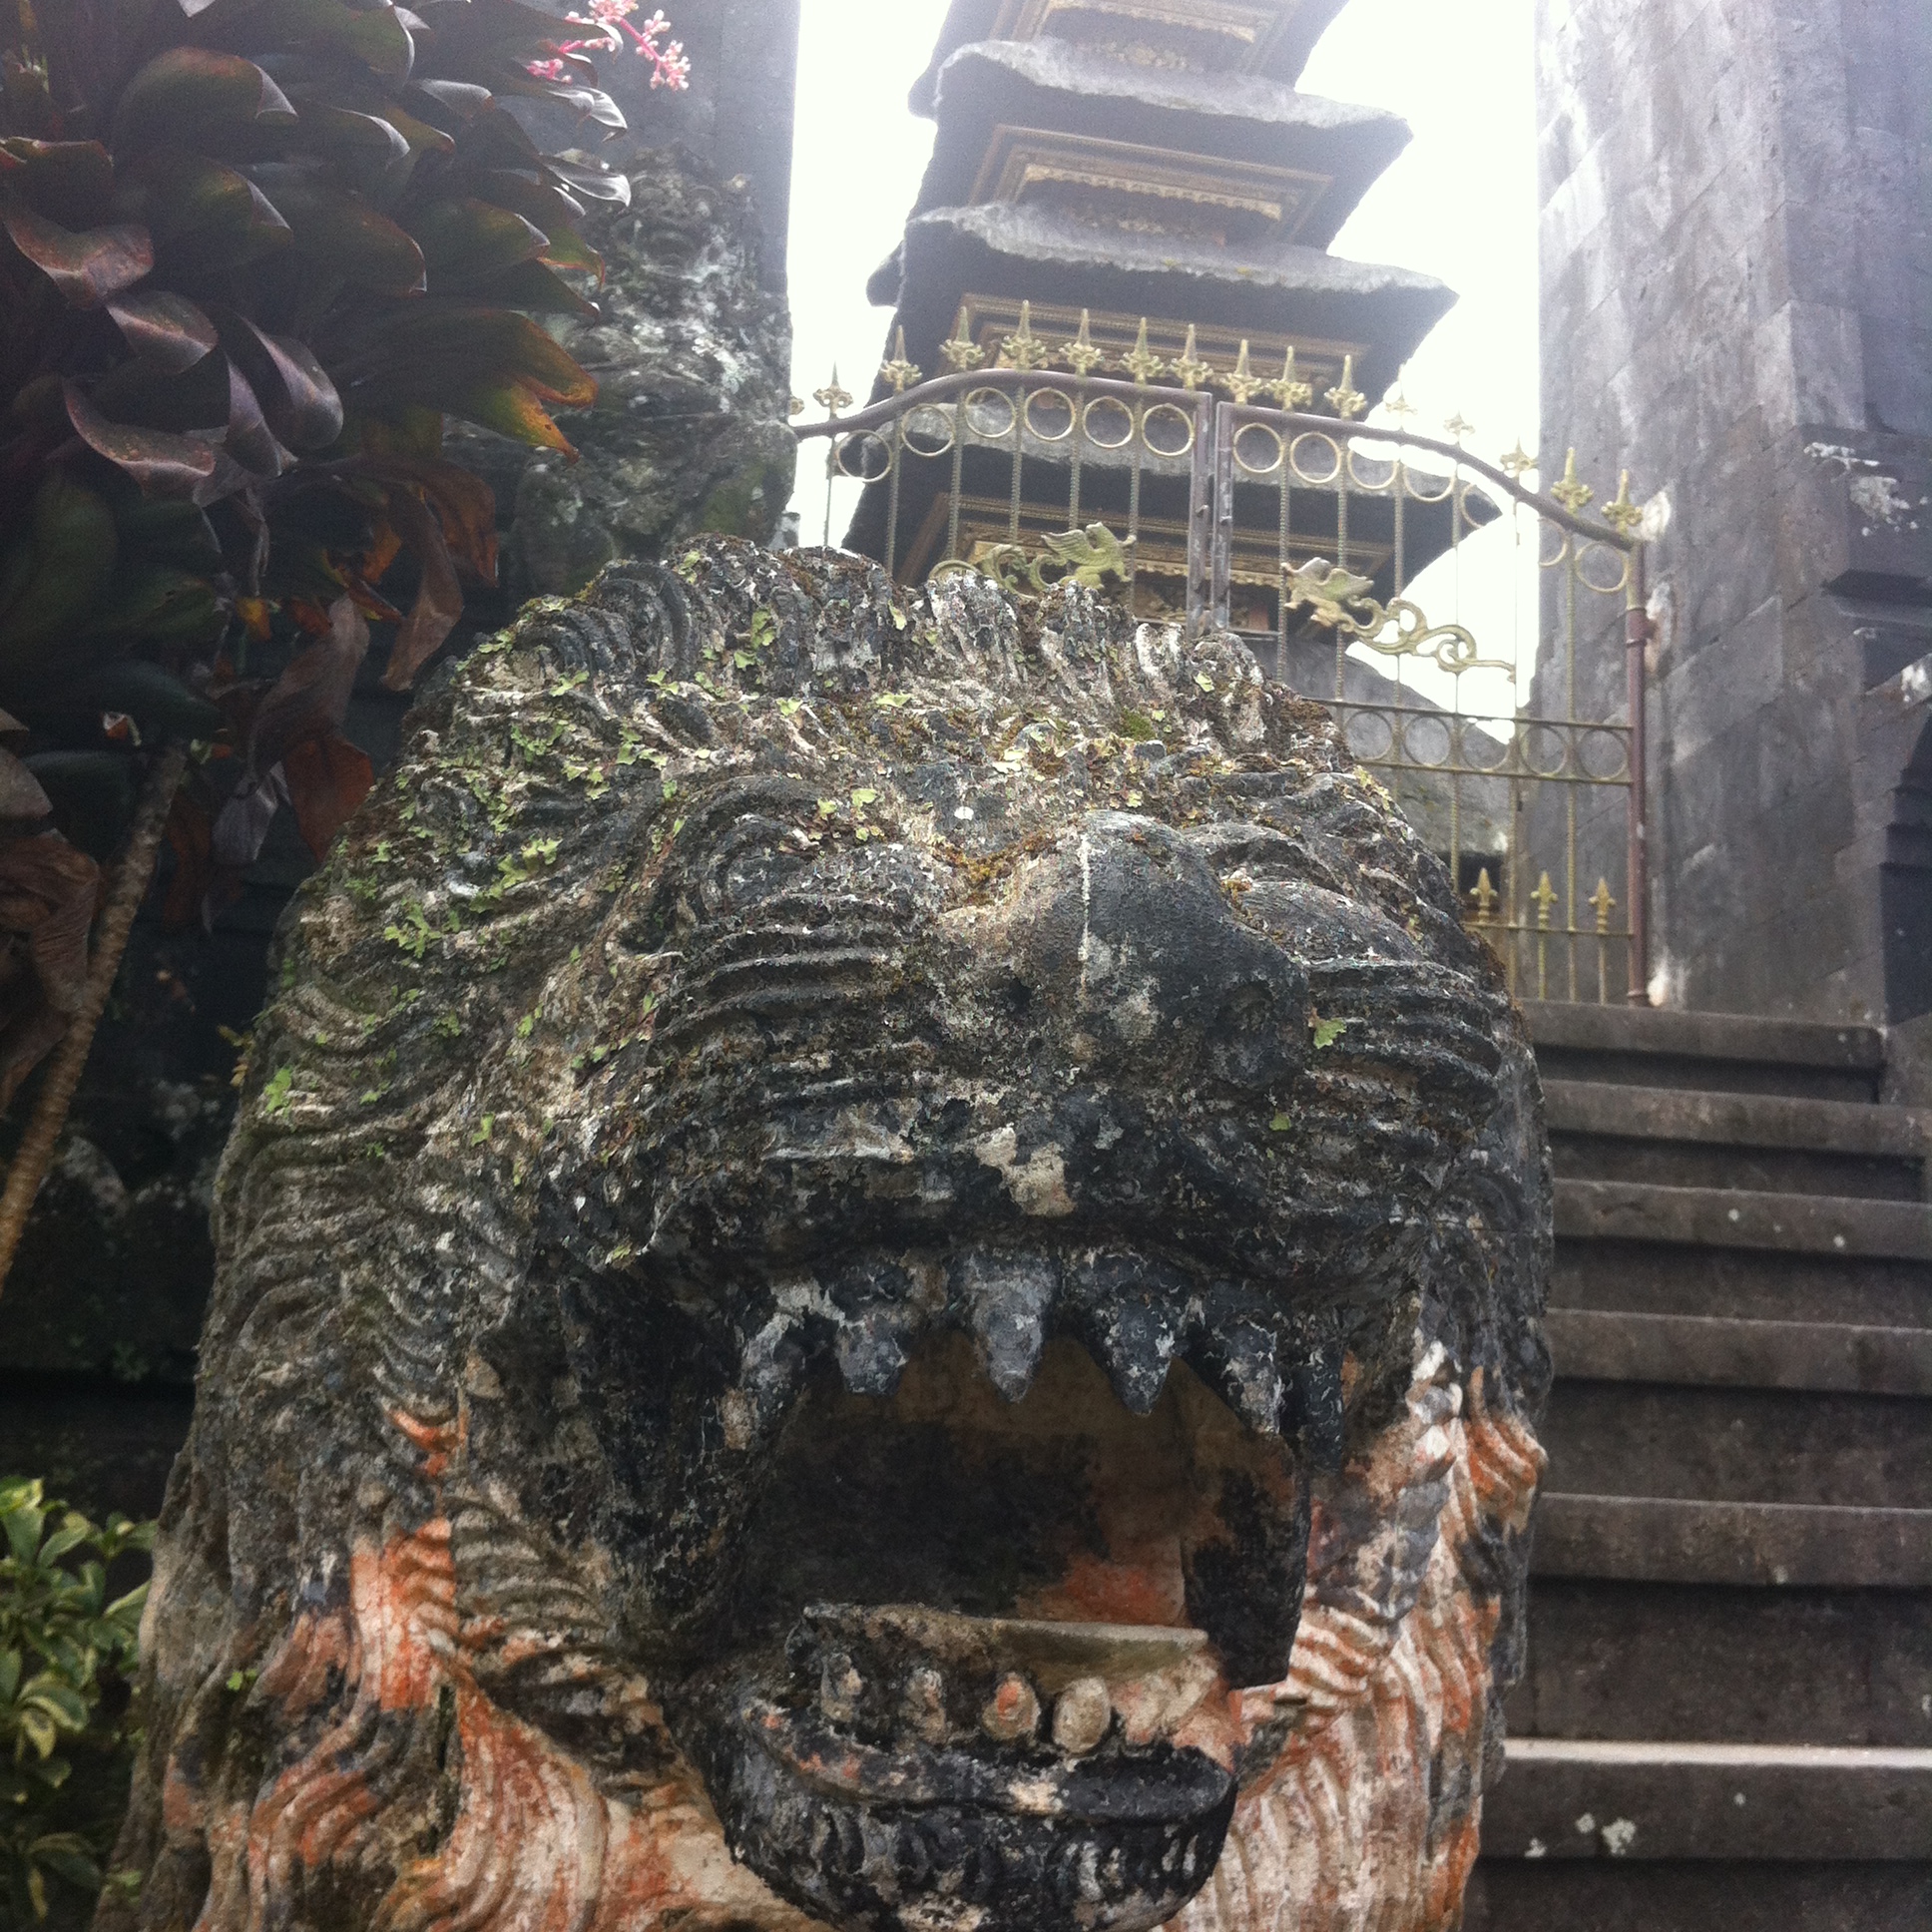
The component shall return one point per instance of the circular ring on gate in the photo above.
(1301, 473)
(929, 429)
(1591, 572)
(1535, 738)
(1375, 484)
(989, 413)
(1358, 733)
(1048, 415)
(1434, 729)
(1244, 457)
(1451, 485)
(1113, 416)
(1168, 430)
(1552, 543)
(1616, 767)
(875, 456)
(1480, 749)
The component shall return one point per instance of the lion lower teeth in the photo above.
(960, 1675)
(1012, 1712)
(1081, 1714)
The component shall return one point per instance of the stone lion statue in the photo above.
(881, 1269)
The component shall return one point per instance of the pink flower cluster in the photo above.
(670, 66)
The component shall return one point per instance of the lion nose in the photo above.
(1126, 933)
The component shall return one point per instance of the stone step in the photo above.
(1593, 1344)
(1577, 1799)
(1709, 1052)
(1739, 1445)
(1689, 1661)
(1648, 1277)
(1649, 1539)
(1710, 1895)
(1604, 1132)
(1732, 1218)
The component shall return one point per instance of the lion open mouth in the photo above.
(1023, 1538)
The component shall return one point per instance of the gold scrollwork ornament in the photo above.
(1338, 600)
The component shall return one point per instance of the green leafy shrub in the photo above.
(252, 253)
(65, 1655)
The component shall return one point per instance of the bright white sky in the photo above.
(1460, 204)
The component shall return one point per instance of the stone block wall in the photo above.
(1736, 238)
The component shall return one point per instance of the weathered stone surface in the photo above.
(818, 1212)
(693, 362)
(1736, 248)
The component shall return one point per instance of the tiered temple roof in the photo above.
(1135, 186)
(1070, 178)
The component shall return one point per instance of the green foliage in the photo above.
(63, 1648)
(252, 253)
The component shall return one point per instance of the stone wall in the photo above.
(692, 361)
(1737, 239)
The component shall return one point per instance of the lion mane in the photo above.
(393, 1674)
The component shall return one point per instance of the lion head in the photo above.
(880, 1268)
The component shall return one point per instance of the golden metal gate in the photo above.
(1302, 532)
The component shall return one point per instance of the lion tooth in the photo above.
(770, 1369)
(1316, 1384)
(1248, 1380)
(1129, 1313)
(1012, 1712)
(1136, 1345)
(877, 1325)
(873, 1347)
(1005, 1300)
(840, 1687)
(1081, 1714)
(1234, 1349)
(924, 1704)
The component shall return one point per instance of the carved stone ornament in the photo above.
(881, 1267)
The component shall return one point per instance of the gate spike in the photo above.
(1623, 515)
(1572, 491)
(832, 399)
(1243, 382)
(1189, 367)
(898, 371)
(1517, 462)
(1080, 354)
(1287, 388)
(1344, 398)
(1023, 351)
(1139, 361)
(962, 352)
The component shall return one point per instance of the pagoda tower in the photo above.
(1135, 189)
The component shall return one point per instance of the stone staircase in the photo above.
(1726, 1720)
